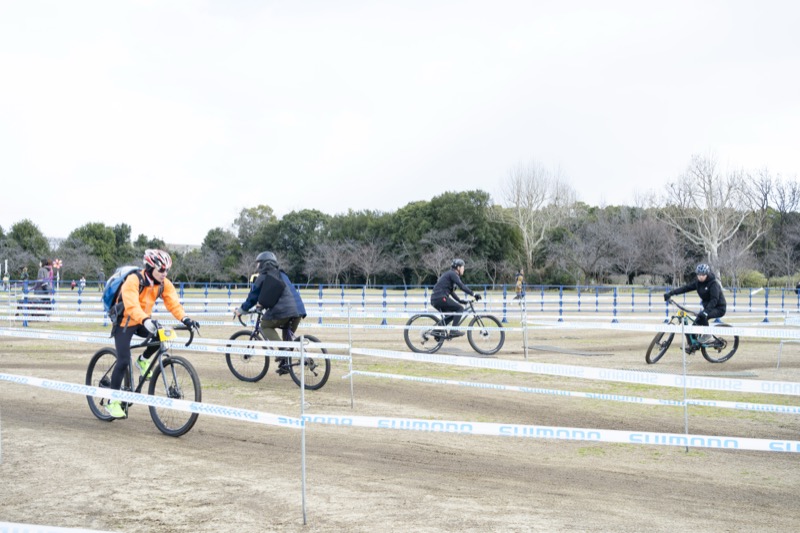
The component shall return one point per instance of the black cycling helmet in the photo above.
(457, 263)
(702, 268)
(266, 258)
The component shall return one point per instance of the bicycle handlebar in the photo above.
(153, 337)
(251, 312)
(682, 308)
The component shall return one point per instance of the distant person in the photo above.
(520, 285)
(44, 278)
(82, 284)
(101, 280)
(709, 289)
(273, 291)
(72, 285)
(444, 296)
(797, 288)
(24, 274)
(6, 279)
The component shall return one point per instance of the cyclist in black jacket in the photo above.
(444, 296)
(709, 289)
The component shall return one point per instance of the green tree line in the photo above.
(746, 225)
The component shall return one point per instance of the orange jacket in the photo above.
(139, 306)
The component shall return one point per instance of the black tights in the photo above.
(122, 342)
(448, 305)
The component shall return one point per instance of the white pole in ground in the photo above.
(302, 413)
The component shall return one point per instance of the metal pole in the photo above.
(302, 414)
(525, 328)
(685, 407)
(350, 353)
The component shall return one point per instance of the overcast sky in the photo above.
(173, 116)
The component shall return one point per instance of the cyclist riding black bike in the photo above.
(444, 296)
(136, 319)
(273, 291)
(709, 289)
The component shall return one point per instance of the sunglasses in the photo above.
(163, 270)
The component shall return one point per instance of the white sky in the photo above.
(189, 111)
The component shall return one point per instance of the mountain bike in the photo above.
(253, 367)
(172, 377)
(425, 333)
(718, 349)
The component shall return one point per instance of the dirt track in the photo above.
(62, 467)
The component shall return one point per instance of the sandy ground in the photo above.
(63, 467)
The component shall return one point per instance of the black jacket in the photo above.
(446, 286)
(710, 292)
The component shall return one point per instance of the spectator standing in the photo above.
(101, 281)
(82, 284)
(520, 284)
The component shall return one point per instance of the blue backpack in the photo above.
(112, 304)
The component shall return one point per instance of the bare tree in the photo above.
(735, 258)
(442, 246)
(369, 258)
(784, 256)
(592, 249)
(329, 260)
(535, 200)
(708, 209)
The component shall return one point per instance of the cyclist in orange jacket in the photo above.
(139, 301)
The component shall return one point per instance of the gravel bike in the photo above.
(425, 333)
(172, 377)
(253, 367)
(718, 349)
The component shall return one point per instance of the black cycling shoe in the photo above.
(282, 369)
(457, 334)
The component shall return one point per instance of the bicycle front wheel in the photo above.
(251, 366)
(423, 338)
(317, 369)
(99, 375)
(658, 347)
(721, 348)
(179, 381)
(484, 340)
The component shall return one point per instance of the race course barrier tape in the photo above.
(765, 333)
(157, 401)
(558, 433)
(412, 424)
(604, 374)
(742, 406)
(199, 345)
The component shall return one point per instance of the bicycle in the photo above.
(253, 367)
(430, 332)
(173, 377)
(718, 343)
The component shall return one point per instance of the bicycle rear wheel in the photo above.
(483, 340)
(722, 348)
(423, 338)
(247, 367)
(658, 347)
(179, 381)
(316, 370)
(99, 375)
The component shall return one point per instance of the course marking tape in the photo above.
(234, 413)
(411, 424)
(558, 433)
(762, 332)
(178, 345)
(604, 374)
(743, 406)
(10, 527)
